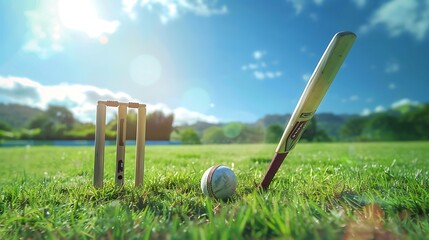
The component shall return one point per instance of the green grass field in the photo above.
(322, 191)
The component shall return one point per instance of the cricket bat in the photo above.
(316, 88)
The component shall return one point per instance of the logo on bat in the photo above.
(295, 135)
(306, 115)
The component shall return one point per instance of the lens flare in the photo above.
(145, 69)
(197, 99)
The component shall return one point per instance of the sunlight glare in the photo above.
(81, 15)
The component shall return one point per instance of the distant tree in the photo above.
(232, 130)
(53, 123)
(85, 131)
(274, 133)
(131, 125)
(16, 115)
(310, 130)
(234, 133)
(353, 128)
(5, 130)
(39, 121)
(322, 136)
(61, 115)
(251, 134)
(214, 135)
(382, 127)
(189, 136)
(5, 126)
(158, 125)
(47, 127)
(415, 124)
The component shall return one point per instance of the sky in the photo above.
(214, 61)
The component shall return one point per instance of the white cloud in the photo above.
(305, 51)
(354, 98)
(273, 74)
(365, 112)
(82, 16)
(401, 16)
(392, 86)
(318, 2)
(183, 115)
(404, 101)
(360, 3)
(379, 109)
(259, 75)
(254, 66)
(298, 5)
(168, 10)
(81, 99)
(306, 76)
(257, 55)
(21, 90)
(260, 69)
(392, 67)
(128, 7)
(313, 16)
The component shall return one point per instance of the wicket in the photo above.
(100, 136)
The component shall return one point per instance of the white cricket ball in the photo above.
(218, 182)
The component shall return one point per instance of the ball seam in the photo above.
(209, 181)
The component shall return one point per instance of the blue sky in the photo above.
(216, 61)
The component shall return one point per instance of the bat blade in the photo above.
(316, 88)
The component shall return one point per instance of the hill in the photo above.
(328, 122)
(331, 123)
(16, 115)
(407, 121)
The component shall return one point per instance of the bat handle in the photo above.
(272, 170)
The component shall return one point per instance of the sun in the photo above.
(81, 15)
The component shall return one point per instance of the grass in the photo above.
(322, 191)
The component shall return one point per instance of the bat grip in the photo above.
(272, 170)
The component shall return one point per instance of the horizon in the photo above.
(395, 108)
(212, 61)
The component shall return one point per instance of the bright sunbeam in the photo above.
(81, 15)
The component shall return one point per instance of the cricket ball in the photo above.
(218, 182)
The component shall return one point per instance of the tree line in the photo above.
(237, 132)
(389, 126)
(394, 125)
(58, 123)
